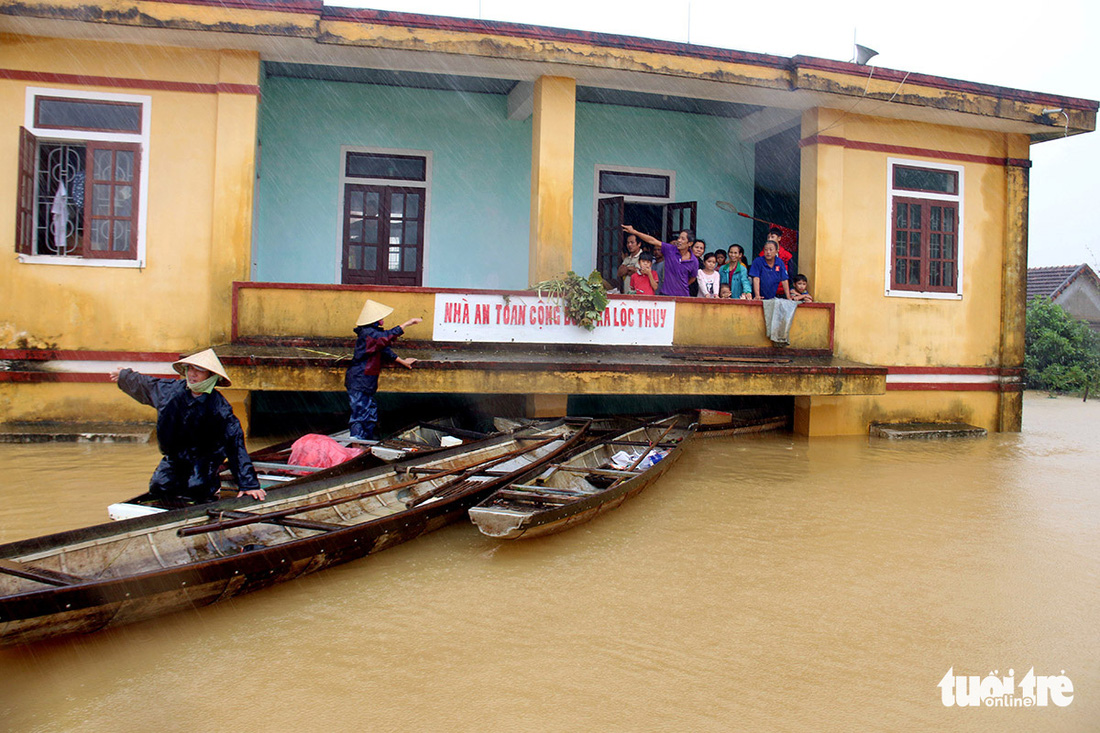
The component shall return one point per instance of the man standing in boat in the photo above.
(196, 430)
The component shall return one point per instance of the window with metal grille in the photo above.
(80, 178)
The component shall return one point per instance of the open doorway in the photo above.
(776, 192)
(658, 220)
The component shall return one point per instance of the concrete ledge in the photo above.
(58, 432)
(925, 430)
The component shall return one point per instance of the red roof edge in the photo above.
(546, 33)
(1082, 269)
(939, 82)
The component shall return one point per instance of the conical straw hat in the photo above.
(207, 360)
(372, 311)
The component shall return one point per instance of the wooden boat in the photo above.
(716, 424)
(273, 467)
(117, 573)
(585, 485)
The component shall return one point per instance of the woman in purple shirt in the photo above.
(680, 264)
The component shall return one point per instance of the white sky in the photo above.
(1049, 47)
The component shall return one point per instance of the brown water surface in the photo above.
(766, 583)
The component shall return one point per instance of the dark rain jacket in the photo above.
(372, 348)
(196, 434)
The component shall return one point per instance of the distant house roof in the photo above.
(1051, 281)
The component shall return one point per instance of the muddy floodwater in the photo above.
(766, 583)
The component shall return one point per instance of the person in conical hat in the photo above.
(196, 430)
(372, 349)
(206, 361)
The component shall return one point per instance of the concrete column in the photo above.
(232, 186)
(820, 247)
(552, 140)
(547, 405)
(1014, 280)
(241, 402)
(821, 212)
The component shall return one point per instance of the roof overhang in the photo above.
(305, 32)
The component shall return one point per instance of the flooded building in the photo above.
(244, 174)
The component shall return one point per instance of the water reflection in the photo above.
(770, 582)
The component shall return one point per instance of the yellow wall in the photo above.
(852, 415)
(200, 162)
(844, 235)
(70, 402)
(331, 313)
(845, 200)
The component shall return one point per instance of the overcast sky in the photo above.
(1036, 47)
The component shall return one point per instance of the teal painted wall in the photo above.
(710, 162)
(479, 194)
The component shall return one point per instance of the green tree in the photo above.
(1062, 353)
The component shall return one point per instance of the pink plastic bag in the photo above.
(320, 451)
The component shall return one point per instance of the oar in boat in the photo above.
(464, 473)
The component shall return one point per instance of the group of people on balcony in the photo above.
(684, 268)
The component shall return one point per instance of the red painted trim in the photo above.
(75, 355)
(905, 150)
(233, 320)
(42, 77)
(939, 82)
(946, 387)
(992, 371)
(24, 377)
(249, 285)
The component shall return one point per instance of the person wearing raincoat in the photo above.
(372, 348)
(196, 430)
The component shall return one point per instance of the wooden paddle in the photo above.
(465, 471)
(652, 445)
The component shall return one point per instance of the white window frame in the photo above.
(345, 179)
(52, 134)
(596, 196)
(957, 199)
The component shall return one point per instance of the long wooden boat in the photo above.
(585, 485)
(111, 574)
(273, 467)
(715, 424)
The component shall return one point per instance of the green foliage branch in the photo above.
(1061, 354)
(584, 299)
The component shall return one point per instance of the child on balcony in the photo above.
(708, 278)
(645, 280)
(800, 289)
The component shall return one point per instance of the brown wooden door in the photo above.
(679, 217)
(383, 235)
(609, 237)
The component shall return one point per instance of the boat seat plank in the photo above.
(641, 442)
(597, 471)
(266, 466)
(42, 575)
(537, 495)
(419, 470)
(281, 521)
